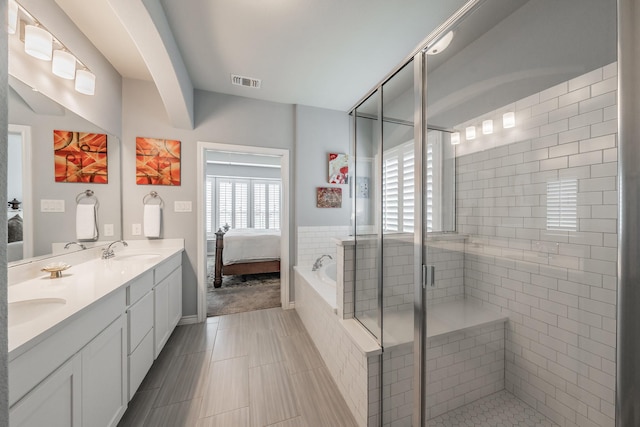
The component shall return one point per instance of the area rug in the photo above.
(243, 293)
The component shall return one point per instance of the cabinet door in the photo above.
(161, 316)
(140, 320)
(104, 376)
(175, 298)
(54, 402)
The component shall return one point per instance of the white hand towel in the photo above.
(151, 220)
(86, 227)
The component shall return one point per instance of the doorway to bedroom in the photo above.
(242, 210)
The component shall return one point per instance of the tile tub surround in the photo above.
(314, 242)
(343, 345)
(557, 287)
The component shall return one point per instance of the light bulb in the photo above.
(12, 16)
(470, 133)
(455, 138)
(64, 64)
(508, 120)
(487, 127)
(85, 82)
(38, 42)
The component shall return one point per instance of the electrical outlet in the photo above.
(108, 230)
(136, 229)
(182, 206)
(51, 205)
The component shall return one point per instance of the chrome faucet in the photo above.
(108, 252)
(318, 263)
(68, 245)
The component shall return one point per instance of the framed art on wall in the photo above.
(338, 168)
(80, 157)
(328, 197)
(157, 161)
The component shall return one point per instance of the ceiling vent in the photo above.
(245, 81)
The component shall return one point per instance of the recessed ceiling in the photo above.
(322, 53)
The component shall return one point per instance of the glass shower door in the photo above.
(400, 255)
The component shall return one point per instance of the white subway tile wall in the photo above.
(558, 287)
(464, 366)
(397, 388)
(314, 242)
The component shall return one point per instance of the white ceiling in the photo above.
(322, 53)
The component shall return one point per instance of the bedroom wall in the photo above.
(218, 118)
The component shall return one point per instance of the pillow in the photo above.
(15, 229)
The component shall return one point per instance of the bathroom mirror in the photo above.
(32, 120)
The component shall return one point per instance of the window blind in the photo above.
(242, 203)
(562, 199)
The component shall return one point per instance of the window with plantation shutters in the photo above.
(398, 189)
(429, 189)
(209, 185)
(562, 199)
(242, 203)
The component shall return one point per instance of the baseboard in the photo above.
(188, 320)
(290, 306)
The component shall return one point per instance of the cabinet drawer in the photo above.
(167, 266)
(140, 316)
(140, 287)
(140, 362)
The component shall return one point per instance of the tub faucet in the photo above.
(68, 245)
(108, 252)
(318, 263)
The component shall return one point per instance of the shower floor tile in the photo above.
(501, 409)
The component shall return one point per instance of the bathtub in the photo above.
(323, 281)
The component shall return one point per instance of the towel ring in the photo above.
(153, 196)
(87, 194)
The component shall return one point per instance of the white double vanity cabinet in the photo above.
(80, 345)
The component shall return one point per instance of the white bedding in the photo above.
(249, 245)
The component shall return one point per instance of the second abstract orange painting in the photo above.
(80, 157)
(157, 161)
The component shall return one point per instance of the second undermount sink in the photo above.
(30, 309)
(136, 257)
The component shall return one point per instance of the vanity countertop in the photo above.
(42, 306)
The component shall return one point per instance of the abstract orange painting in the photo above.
(80, 157)
(157, 161)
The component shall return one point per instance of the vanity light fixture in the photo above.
(63, 64)
(455, 138)
(38, 42)
(85, 82)
(12, 16)
(441, 44)
(509, 120)
(487, 127)
(470, 133)
(41, 44)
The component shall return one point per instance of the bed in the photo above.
(246, 251)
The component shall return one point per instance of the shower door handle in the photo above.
(428, 275)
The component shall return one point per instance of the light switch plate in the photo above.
(182, 206)
(136, 229)
(108, 230)
(47, 205)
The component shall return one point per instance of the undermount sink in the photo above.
(26, 310)
(136, 257)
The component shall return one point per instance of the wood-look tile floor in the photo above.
(251, 369)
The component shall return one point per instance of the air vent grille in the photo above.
(245, 81)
